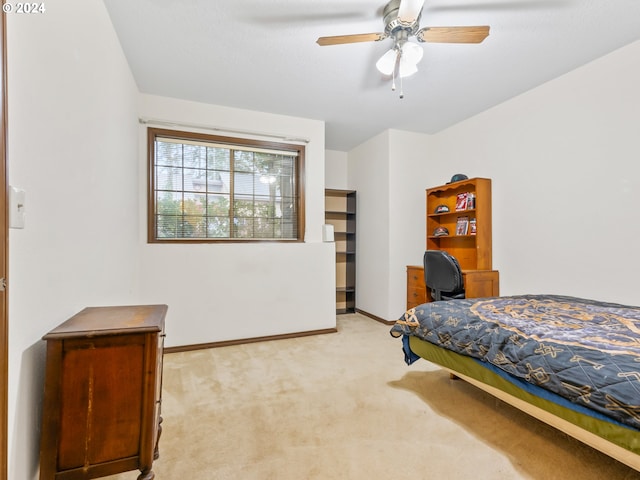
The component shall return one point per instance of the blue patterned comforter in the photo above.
(583, 350)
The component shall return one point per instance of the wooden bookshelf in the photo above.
(473, 251)
(340, 211)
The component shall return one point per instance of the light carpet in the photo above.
(345, 406)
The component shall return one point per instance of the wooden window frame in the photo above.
(153, 133)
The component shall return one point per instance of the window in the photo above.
(207, 188)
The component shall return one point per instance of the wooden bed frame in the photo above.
(602, 445)
(587, 437)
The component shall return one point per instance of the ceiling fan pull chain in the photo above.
(396, 68)
(393, 80)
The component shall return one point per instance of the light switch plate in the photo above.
(17, 208)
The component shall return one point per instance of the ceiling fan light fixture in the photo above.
(387, 62)
(408, 61)
(406, 68)
(412, 53)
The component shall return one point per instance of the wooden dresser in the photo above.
(102, 393)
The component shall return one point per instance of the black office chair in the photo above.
(442, 275)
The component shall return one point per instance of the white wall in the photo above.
(565, 164)
(411, 169)
(335, 170)
(72, 145)
(368, 174)
(219, 292)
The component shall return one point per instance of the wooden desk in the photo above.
(477, 284)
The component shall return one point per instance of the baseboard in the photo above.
(242, 341)
(376, 318)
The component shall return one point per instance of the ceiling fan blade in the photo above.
(355, 38)
(453, 34)
(409, 10)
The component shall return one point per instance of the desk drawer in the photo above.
(477, 284)
(415, 297)
(416, 292)
(415, 277)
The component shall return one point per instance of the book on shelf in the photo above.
(471, 201)
(462, 226)
(472, 226)
(465, 201)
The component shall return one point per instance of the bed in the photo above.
(570, 362)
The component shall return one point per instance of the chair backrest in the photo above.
(442, 275)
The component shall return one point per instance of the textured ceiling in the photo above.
(261, 55)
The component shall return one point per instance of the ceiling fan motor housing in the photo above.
(393, 26)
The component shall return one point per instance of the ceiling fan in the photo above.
(401, 22)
